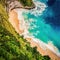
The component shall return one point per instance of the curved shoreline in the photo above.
(26, 34)
(13, 18)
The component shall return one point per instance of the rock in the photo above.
(13, 4)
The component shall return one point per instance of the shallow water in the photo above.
(44, 22)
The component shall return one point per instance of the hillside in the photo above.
(12, 45)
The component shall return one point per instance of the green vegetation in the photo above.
(13, 46)
(27, 2)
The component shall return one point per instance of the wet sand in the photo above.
(13, 19)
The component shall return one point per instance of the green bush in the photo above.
(27, 2)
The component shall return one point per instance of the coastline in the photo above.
(16, 23)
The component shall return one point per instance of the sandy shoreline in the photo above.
(13, 19)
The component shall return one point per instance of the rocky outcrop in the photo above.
(13, 4)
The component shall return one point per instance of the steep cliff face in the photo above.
(13, 46)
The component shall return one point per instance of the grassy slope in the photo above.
(13, 46)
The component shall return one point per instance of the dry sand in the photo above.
(13, 19)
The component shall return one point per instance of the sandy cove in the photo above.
(13, 19)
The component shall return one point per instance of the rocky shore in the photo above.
(13, 4)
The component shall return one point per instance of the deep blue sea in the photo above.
(45, 24)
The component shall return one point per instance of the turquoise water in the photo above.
(45, 25)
